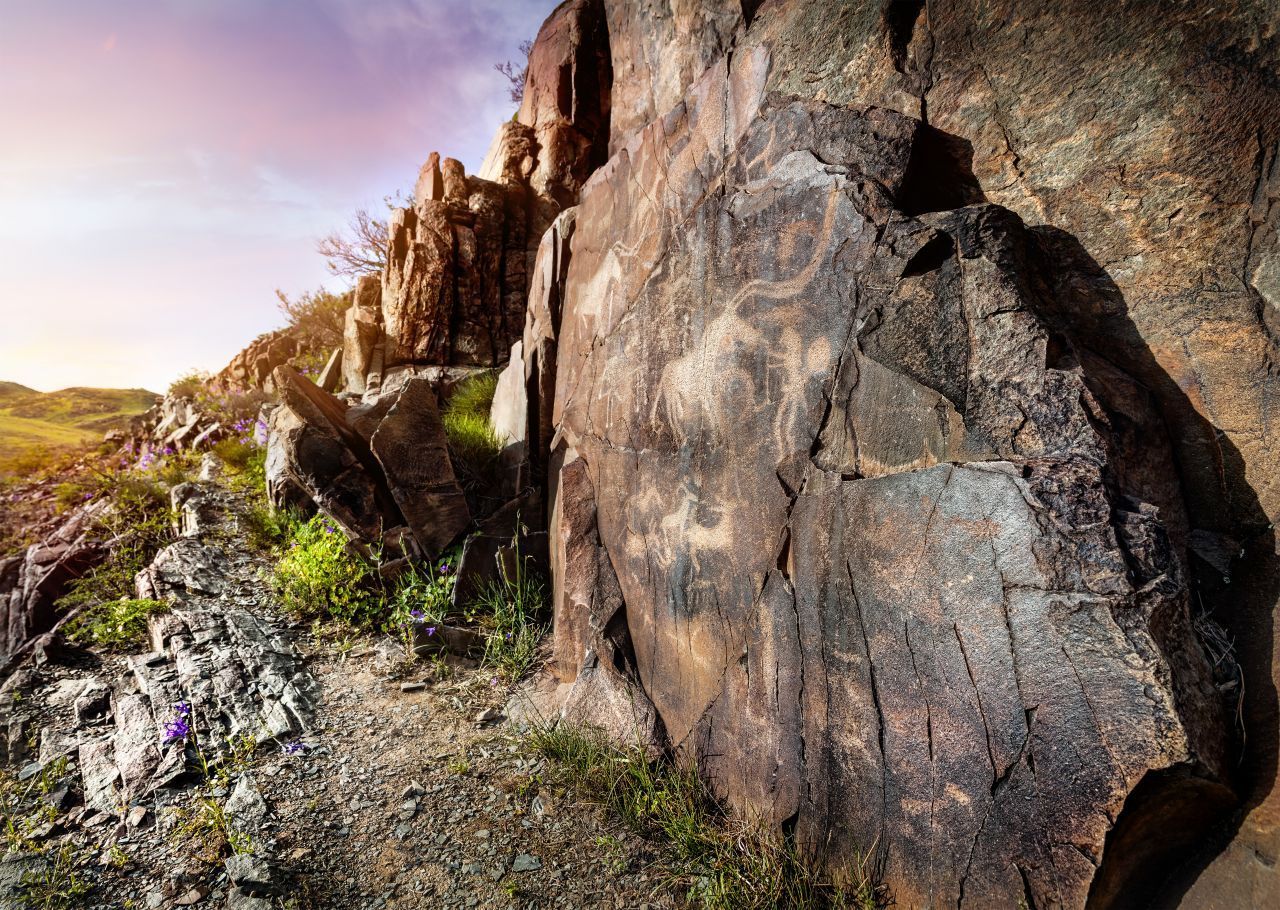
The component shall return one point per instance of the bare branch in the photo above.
(359, 249)
(516, 74)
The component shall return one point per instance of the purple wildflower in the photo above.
(182, 709)
(431, 630)
(418, 616)
(446, 568)
(176, 730)
(297, 747)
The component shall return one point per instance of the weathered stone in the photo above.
(252, 367)
(524, 400)
(658, 50)
(184, 567)
(758, 351)
(193, 511)
(246, 808)
(430, 185)
(332, 373)
(411, 447)
(362, 330)
(31, 585)
(251, 874)
(312, 445)
(479, 567)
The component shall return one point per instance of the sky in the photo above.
(166, 165)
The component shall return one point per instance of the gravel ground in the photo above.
(410, 791)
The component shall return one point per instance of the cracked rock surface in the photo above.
(867, 511)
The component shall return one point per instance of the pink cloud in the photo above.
(172, 174)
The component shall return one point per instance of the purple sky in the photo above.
(166, 165)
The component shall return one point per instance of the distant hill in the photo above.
(11, 390)
(68, 417)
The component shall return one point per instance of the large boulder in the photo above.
(374, 468)
(865, 513)
(413, 452)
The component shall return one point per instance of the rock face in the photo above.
(873, 498)
(895, 377)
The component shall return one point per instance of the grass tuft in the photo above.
(512, 608)
(58, 886)
(474, 446)
(115, 624)
(720, 863)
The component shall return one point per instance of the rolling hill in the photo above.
(68, 417)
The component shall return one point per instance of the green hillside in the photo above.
(68, 417)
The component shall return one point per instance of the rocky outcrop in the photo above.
(252, 367)
(863, 509)
(236, 671)
(457, 277)
(375, 468)
(31, 583)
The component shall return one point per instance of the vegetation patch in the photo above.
(116, 625)
(56, 886)
(319, 577)
(513, 609)
(135, 525)
(719, 862)
(474, 447)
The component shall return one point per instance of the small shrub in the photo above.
(720, 863)
(207, 832)
(512, 607)
(190, 384)
(319, 577)
(316, 321)
(267, 528)
(423, 596)
(473, 445)
(236, 452)
(115, 624)
(72, 493)
(137, 525)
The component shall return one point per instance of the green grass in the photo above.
(473, 445)
(720, 863)
(319, 577)
(58, 886)
(23, 434)
(116, 625)
(50, 422)
(511, 609)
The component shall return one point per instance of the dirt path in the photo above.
(395, 792)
